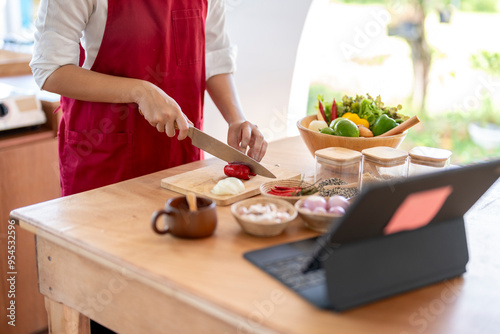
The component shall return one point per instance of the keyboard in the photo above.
(289, 271)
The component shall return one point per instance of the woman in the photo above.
(127, 67)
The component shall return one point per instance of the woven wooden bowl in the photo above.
(319, 222)
(263, 228)
(317, 141)
(265, 187)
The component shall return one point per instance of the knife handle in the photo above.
(175, 123)
(190, 130)
(189, 124)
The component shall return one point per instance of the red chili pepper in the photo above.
(322, 110)
(279, 193)
(239, 171)
(334, 110)
(284, 188)
(284, 191)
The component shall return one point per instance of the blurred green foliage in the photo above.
(486, 61)
(449, 130)
(482, 6)
(316, 89)
(361, 2)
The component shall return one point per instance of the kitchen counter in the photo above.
(29, 174)
(14, 63)
(98, 258)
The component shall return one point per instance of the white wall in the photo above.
(267, 34)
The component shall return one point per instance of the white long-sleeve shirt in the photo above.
(61, 25)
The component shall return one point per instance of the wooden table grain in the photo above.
(98, 258)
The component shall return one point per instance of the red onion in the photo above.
(313, 202)
(337, 200)
(319, 209)
(338, 210)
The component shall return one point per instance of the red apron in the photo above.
(161, 41)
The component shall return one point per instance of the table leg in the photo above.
(63, 319)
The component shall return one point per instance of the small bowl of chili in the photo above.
(290, 190)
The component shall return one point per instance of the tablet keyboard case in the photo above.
(371, 269)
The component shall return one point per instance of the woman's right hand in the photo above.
(160, 110)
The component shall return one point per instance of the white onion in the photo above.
(313, 202)
(228, 186)
(337, 200)
(317, 125)
(266, 213)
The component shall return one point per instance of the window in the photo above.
(16, 29)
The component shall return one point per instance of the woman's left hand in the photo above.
(246, 136)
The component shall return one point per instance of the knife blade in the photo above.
(225, 152)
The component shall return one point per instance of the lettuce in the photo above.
(365, 106)
(369, 111)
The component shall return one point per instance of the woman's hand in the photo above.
(245, 135)
(161, 111)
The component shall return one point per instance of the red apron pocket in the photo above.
(189, 35)
(91, 160)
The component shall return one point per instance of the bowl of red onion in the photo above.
(319, 213)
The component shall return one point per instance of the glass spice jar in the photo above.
(424, 160)
(384, 163)
(338, 171)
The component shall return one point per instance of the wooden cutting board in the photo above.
(202, 180)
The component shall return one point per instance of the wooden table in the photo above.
(98, 258)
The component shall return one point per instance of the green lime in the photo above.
(346, 128)
(332, 124)
(327, 130)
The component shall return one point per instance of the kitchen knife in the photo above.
(225, 152)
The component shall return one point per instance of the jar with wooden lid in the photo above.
(384, 163)
(338, 171)
(424, 160)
